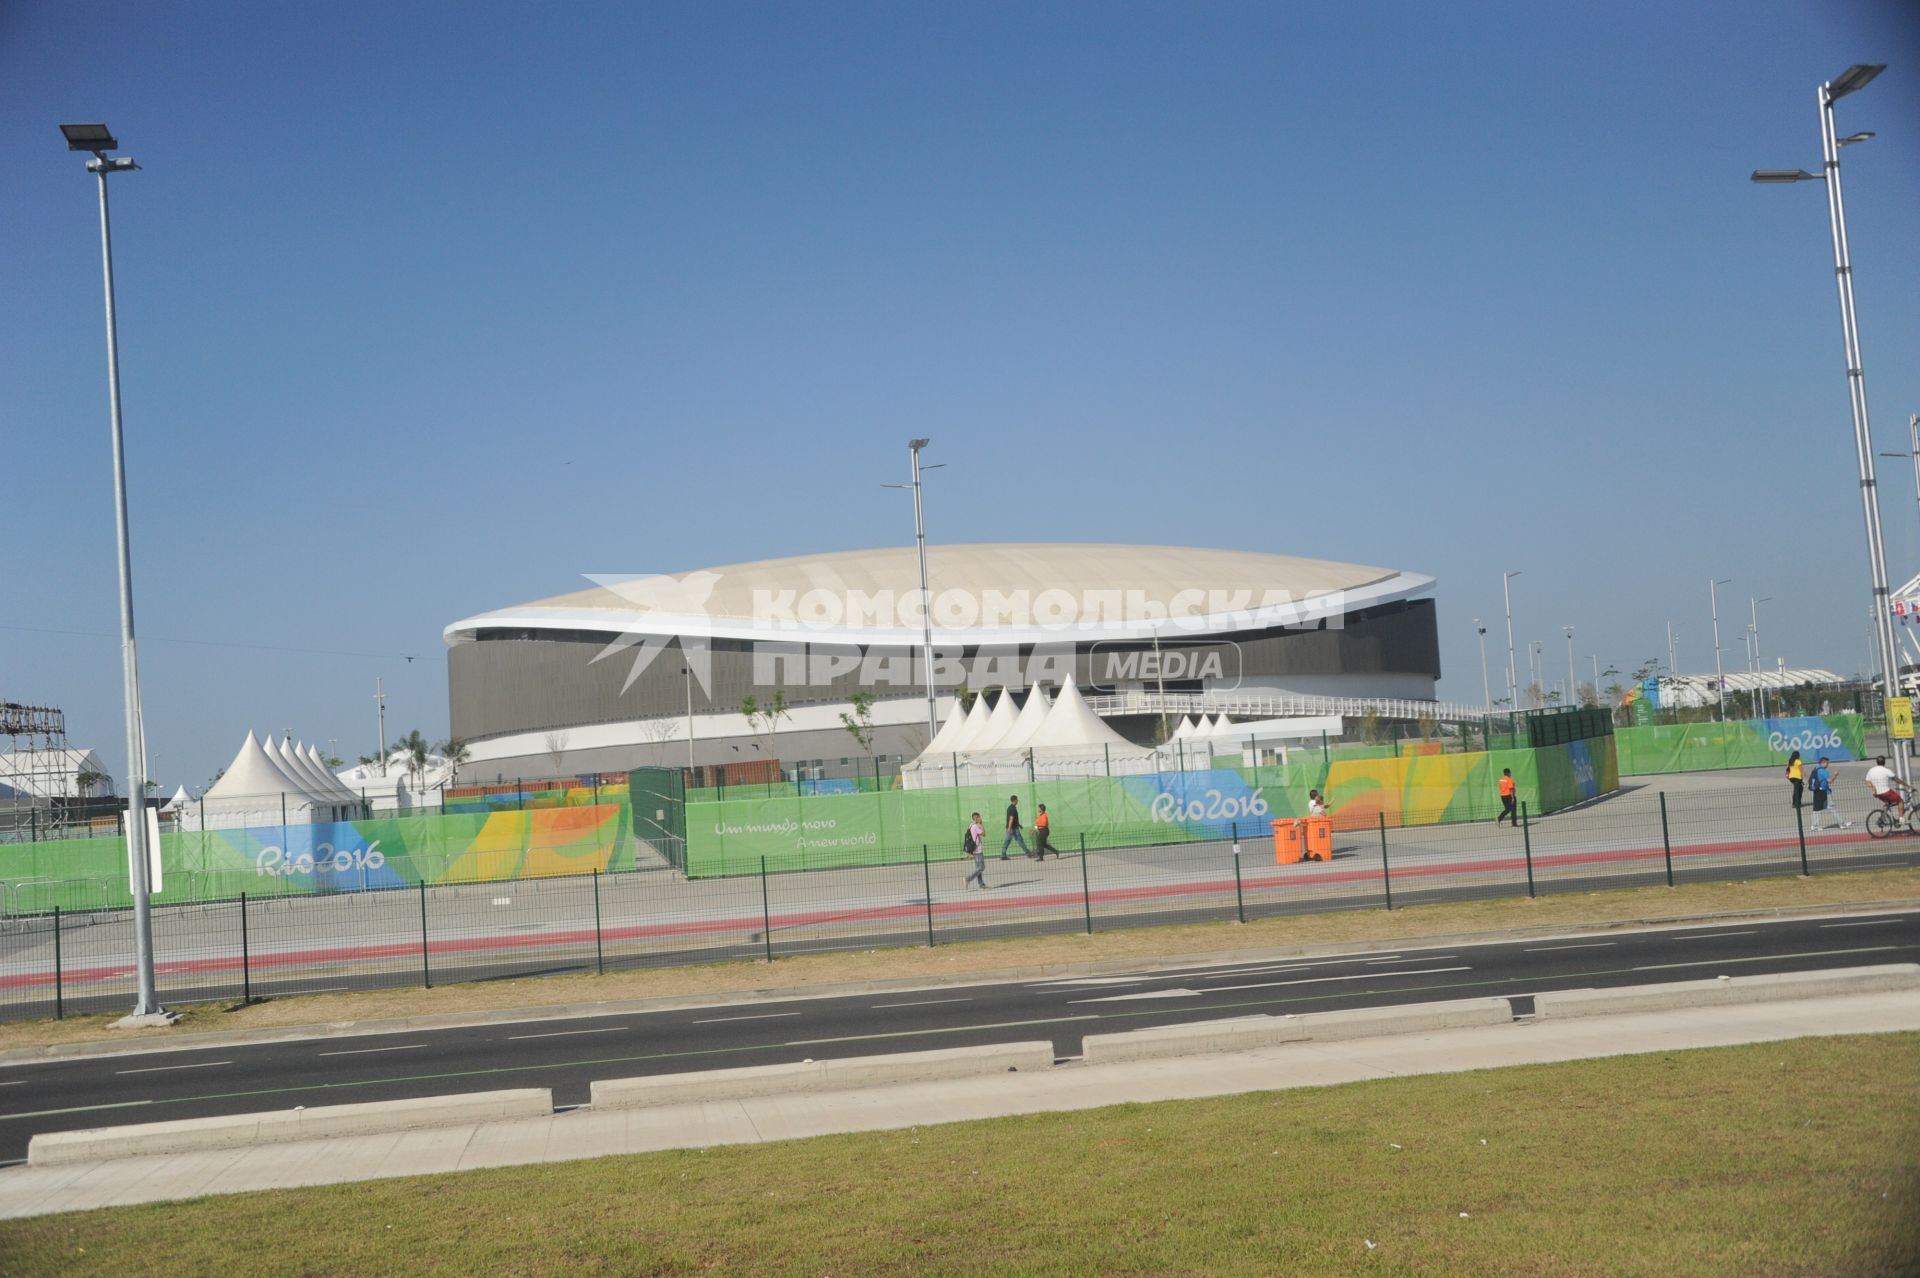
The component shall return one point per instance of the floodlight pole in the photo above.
(1719, 679)
(1573, 685)
(1513, 682)
(146, 1001)
(926, 599)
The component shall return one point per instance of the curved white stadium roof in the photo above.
(998, 593)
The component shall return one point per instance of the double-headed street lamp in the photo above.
(1513, 682)
(96, 139)
(1719, 679)
(1853, 79)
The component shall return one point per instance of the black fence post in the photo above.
(1526, 841)
(246, 955)
(1239, 893)
(59, 978)
(1386, 871)
(599, 950)
(1086, 890)
(1666, 837)
(426, 969)
(926, 876)
(766, 910)
(1801, 823)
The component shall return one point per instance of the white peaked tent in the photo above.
(1220, 724)
(946, 740)
(975, 723)
(1070, 724)
(319, 784)
(1184, 731)
(179, 802)
(319, 765)
(281, 752)
(1032, 715)
(254, 790)
(998, 725)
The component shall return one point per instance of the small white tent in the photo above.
(976, 722)
(1032, 715)
(1184, 731)
(998, 725)
(326, 775)
(945, 741)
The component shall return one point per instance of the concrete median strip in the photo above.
(821, 1076)
(1722, 991)
(237, 1131)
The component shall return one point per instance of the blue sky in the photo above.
(427, 309)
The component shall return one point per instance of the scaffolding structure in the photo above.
(35, 748)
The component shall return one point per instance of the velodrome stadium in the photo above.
(653, 670)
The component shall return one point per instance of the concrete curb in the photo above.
(820, 1076)
(174, 1041)
(236, 1131)
(1244, 1034)
(1726, 990)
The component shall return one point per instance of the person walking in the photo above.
(1013, 834)
(1823, 800)
(1042, 835)
(975, 846)
(1509, 800)
(1794, 777)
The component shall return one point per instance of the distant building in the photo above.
(54, 774)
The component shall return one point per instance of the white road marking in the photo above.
(610, 1029)
(925, 1002)
(1121, 998)
(363, 1051)
(1091, 980)
(155, 1069)
(1708, 936)
(1357, 976)
(1763, 958)
(947, 1029)
(764, 1016)
(1424, 958)
(1865, 923)
(13, 1082)
(1584, 945)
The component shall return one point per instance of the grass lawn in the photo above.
(1784, 1158)
(1570, 910)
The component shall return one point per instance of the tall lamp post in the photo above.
(96, 139)
(1513, 682)
(926, 602)
(1753, 637)
(1853, 79)
(1486, 689)
(1719, 678)
(1573, 693)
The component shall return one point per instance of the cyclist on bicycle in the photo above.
(1888, 788)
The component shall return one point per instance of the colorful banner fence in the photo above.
(792, 831)
(1738, 743)
(340, 856)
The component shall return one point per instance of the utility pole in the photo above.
(1486, 689)
(1719, 679)
(1513, 685)
(1573, 685)
(380, 719)
(926, 599)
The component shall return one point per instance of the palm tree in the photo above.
(455, 752)
(413, 749)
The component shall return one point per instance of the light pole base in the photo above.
(147, 1020)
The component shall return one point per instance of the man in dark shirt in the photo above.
(1013, 834)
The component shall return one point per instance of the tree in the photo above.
(1370, 724)
(455, 752)
(859, 723)
(557, 751)
(334, 761)
(764, 721)
(413, 750)
(86, 780)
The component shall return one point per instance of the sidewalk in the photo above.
(27, 1191)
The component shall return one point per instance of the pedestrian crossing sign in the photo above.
(1900, 718)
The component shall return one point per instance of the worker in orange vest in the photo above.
(1509, 811)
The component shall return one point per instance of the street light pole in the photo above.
(1572, 683)
(1719, 678)
(146, 1009)
(1851, 80)
(1486, 689)
(926, 601)
(1513, 682)
(1759, 671)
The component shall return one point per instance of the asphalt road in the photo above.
(568, 1054)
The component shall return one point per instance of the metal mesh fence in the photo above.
(57, 960)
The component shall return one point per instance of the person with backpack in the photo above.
(975, 846)
(1509, 799)
(1794, 777)
(1823, 797)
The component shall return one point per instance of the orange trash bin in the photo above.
(1319, 831)
(1289, 840)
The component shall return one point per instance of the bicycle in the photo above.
(1881, 822)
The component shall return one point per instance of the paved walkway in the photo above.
(27, 1191)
